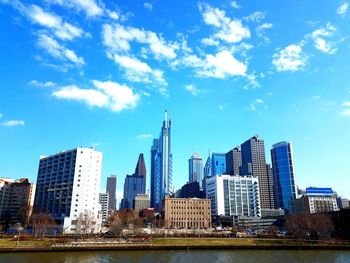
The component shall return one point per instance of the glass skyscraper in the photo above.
(283, 175)
(134, 184)
(195, 169)
(161, 165)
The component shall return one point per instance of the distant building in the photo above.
(16, 200)
(187, 213)
(68, 185)
(111, 187)
(283, 175)
(317, 200)
(134, 184)
(233, 161)
(208, 167)
(233, 195)
(141, 201)
(161, 166)
(192, 190)
(215, 164)
(195, 169)
(104, 201)
(254, 163)
(343, 203)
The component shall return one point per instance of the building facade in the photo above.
(187, 213)
(195, 169)
(161, 163)
(104, 201)
(68, 185)
(141, 201)
(283, 175)
(317, 200)
(134, 184)
(233, 161)
(254, 163)
(16, 200)
(234, 195)
(111, 187)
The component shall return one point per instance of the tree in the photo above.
(40, 222)
(23, 214)
(115, 223)
(85, 223)
(312, 226)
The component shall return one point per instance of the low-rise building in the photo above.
(316, 200)
(141, 201)
(187, 213)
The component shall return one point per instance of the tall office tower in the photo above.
(234, 195)
(283, 175)
(154, 151)
(254, 163)
(16, 200)
(161, 165)
(233, 161)
(218, 163)
(134, 184)
(208, 167)
(195, 169)
(111, 190)
(68, 184)
(103, 200)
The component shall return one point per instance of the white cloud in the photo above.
(221, 107)
(320, 38)
(221, 65)
(255, 17)
(254, 104)
(108, 94)
(139, 71)
(46, 84)
(228, 30)
(235, 5)
(52, 47)
(144, 136)
(260, 30)
(210, 42)
(112, 14)
(13, 123)
(346, 110)
(62, 30)
(343, 9)
(289, 59)
(90, 7)
(192, 89)
(118, 37)
(148, 6)
(91, 97)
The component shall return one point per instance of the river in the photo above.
(196, 256)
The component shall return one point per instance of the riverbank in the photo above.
(170, 244)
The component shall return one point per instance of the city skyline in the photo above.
(67, 83)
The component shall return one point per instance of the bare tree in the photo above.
(85, 223)
(40, 222)
(115, 224)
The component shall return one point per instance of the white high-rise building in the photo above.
(68, 186)
(104, 201)
(234, 195)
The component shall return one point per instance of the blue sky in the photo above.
(101, 73)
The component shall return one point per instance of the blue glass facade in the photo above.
(218, 163)
(133, 185)
(195, 169)
(161, 166)
(283, 175)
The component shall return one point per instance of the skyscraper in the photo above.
(233, 161)
(195, 169)
(103, 200)
(218, 163)
(254, 163)
(283, 175)
(111, 190)
(134, 184)
(68, 184)
(161, 165)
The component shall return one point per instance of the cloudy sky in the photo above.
(101, 73)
